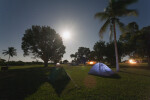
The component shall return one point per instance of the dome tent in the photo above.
(101, 69)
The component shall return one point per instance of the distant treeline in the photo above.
(19, 63)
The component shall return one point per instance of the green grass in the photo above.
(32, 83)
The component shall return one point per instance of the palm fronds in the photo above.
(103, 28)
(102, 16)
(111, 33)
(11, 51)
(121, 25)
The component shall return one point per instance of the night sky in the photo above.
(76, 16)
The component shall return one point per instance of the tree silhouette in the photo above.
(81, 55)
(43, 42)
(137, 41)
(65, 61)
(105, 52)
(114, 10)
(74, 56)
(99, 49)
(129, 45)
(10, 52)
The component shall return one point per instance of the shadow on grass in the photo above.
(114, 76)
(134, 73)
(17, 84)
(59, 79)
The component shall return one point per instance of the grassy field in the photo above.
(32, 83)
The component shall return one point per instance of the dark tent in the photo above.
(58, 79)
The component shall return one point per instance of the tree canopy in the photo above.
(111, 14)
(104, 52)
(99, 49)
(82, 55)
(43, 42)
(129, 44)
(11, 52)
(65, 61)
(136, 41)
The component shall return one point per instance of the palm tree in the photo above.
(114, 10)
(11, 52)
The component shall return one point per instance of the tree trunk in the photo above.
(45, 63)
(8, 60)
(116, 49)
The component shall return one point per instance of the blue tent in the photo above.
(101, 69)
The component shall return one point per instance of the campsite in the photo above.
(74, 50)
(31, 83)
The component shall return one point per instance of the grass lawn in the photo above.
(32, 83)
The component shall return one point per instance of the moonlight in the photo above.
(66, 35)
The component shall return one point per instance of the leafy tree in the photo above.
(114, 10)
(81, 55)
(142, 43)
(2, 60)
(109, 52)
(105, 51)
(136, 42)
(43, 42)
(65, 61)
(130, 29)
(93, 56)
(99, 49)
(74, 56)
(129, 44)
(10, 52)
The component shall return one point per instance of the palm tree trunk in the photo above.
(8, 60)
(116, 49)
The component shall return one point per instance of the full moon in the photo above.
(66, 35)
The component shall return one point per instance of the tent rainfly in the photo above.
(101, 69)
